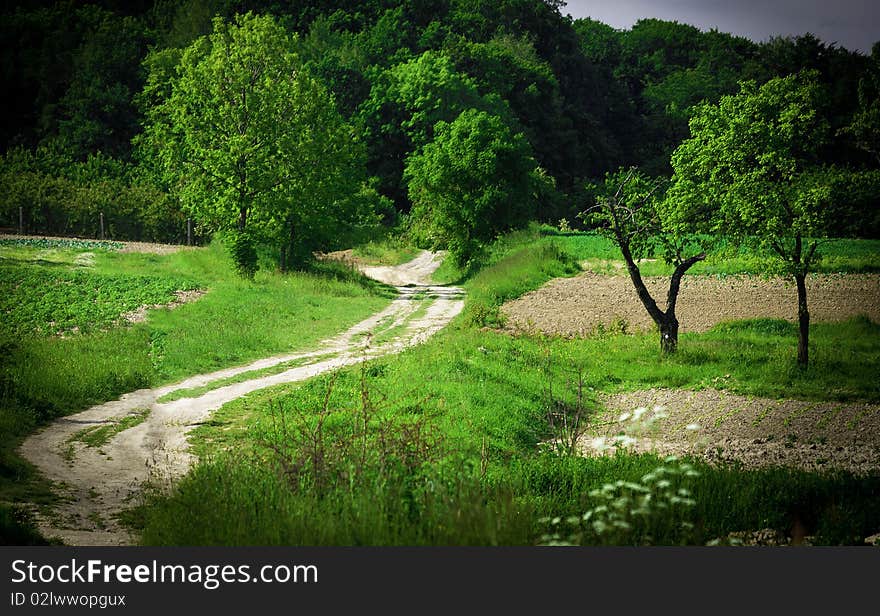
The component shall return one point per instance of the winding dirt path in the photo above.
(96, 483)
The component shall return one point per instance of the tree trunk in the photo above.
(666, 321)
(242, 219)
(288, 252)
(282, 262)
(635, 276)
(803, 321)
(669, 334)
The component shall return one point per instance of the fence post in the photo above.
(102, 225)
(189, 231)
(20, 220)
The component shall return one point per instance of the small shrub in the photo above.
(244, 255)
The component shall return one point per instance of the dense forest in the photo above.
(397, 100)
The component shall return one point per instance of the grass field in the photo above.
(723, 257)
(444, 443)
(81, 290)
(385, 251)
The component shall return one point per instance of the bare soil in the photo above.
(717, 425)
(139, 315)
(744, 430)
(578, 306)
(97, 483)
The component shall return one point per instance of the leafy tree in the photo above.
(839, 72)
(509, 67)
(475, 180)
(249, 141)
(405, 103)
(865, 126)
(334, 56)
(96, 112)
(629, 210)
(752, 168)
(600, 43)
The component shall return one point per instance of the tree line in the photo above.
(294, 125)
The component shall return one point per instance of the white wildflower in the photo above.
(624, 441)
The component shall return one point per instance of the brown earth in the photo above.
(719, 426)
(139, 315)
(746, 430)
(578, 306)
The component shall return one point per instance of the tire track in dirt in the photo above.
(96, 483)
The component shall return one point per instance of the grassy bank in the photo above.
(442, 444)
(82, 291)
(468, 468)
(388, 250)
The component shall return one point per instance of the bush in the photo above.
(244, 254)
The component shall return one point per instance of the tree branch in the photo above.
(675, 281)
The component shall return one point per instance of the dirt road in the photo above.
(96, 482)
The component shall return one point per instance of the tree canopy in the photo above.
(475, 180)
(249, 140)
(753, 168)
(85, 78)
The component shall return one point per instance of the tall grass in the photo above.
(489, 397)
(240, 502)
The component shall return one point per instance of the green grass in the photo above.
(97, 436)
(723, 258)
(483, 396)
(386, 251)
(486, 395)
(241, 501)
(43, 377)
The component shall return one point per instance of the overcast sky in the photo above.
(854, 24)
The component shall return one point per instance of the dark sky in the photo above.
(854, 24)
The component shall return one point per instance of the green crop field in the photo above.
(38, 301)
